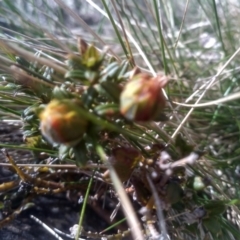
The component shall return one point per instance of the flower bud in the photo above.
(62, 123)
(142, 98)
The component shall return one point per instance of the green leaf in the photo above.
(91, 58)
(213, 225)
(80, 154)
(107, 109)
(215, 207)
(111, 90)
(63, 152)
(184, 147)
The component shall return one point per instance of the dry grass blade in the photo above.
(84, 25)
(30, 56)
(45, 226)
(129, 36)
(126, 205)
(195, 43)
(204, 92)
(231, 97)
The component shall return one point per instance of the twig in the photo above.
(64, 166)
(161, 220)
(46, 227)
(126, 205)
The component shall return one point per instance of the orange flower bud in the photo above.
(142, 98)
(61, 122)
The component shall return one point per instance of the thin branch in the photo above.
(46, 227)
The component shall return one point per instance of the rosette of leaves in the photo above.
(91, 80)
(85, 106)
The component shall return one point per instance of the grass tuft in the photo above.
(182, 164)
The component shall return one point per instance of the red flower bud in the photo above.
(142, 98)
(61, 122)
